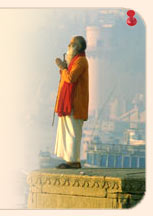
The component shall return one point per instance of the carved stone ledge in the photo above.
(115, 192)
(77, 184)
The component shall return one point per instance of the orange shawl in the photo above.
(65, 104)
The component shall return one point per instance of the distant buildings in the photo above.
(116, 156)
(117, 141)
(114, 136)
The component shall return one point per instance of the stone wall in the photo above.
(82, 189)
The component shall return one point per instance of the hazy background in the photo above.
(30, 40)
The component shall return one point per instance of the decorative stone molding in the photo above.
(121, 191)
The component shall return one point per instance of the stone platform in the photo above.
(85, 188)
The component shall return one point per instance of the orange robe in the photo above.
(79, 73)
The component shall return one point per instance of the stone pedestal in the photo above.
(85, 188)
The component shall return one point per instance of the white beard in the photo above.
(70, 54)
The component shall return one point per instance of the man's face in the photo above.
(74, 45)
(72, 51)
(72, 48)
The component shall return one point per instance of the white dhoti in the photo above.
(68, 138)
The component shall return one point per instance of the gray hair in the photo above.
(82, 43)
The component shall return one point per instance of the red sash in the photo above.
(65, 102)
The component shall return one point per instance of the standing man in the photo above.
(72, 103)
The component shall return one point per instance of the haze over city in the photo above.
(31, 39)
